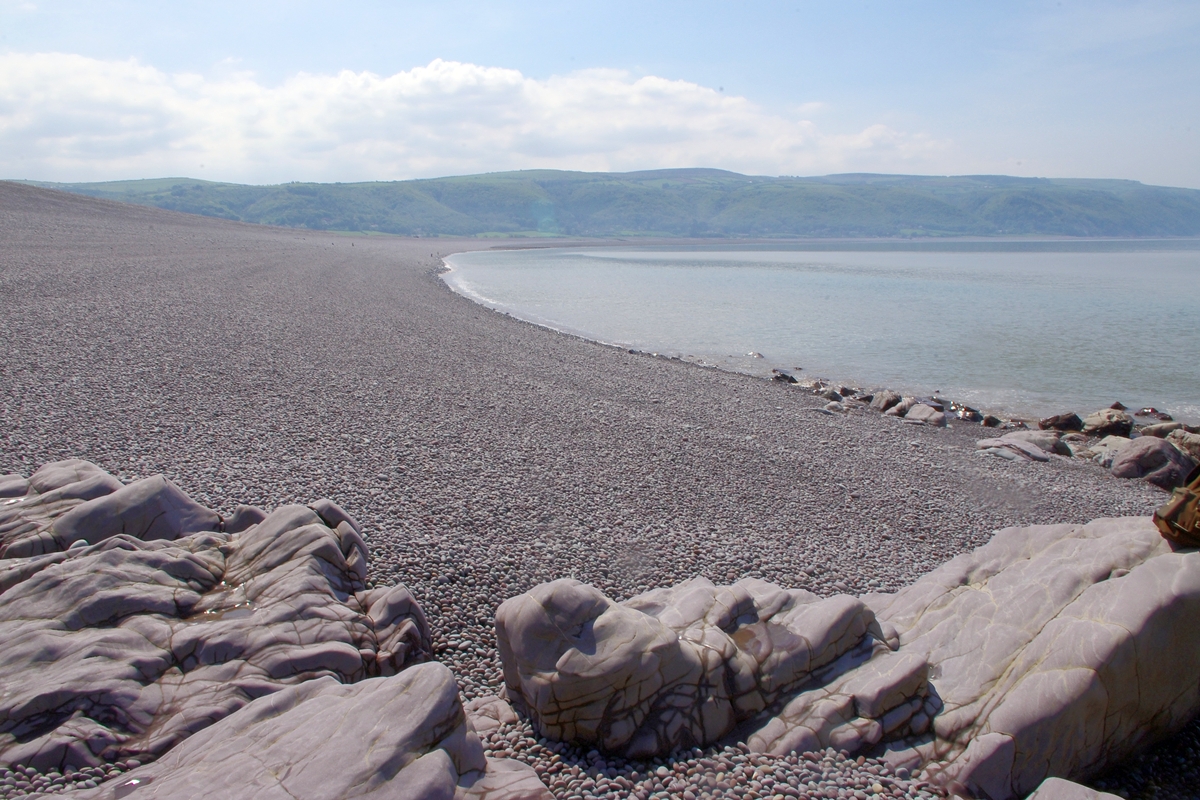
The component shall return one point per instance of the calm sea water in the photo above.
(1024, 328)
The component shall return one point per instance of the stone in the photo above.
(243, 517)
(1055, 651)
(885, 399)
(13, 486)
(1160, 429)
(1031, 445)
(991, 421)
(682, 666)
(901, 408)
(404, 736)
(1150, 411)
(1062, 422)
(53, 490)
(926, 415)
(1155, 461)
(1105, 451)
(489, 713)
(1059, 789)
(124, 648)
(1108, 422)
(152, 508)
(1186, 442)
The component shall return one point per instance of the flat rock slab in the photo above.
(1059, 789)
(404, 736)
(126, 647)
(1056, 651)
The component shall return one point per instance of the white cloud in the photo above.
(68, 117)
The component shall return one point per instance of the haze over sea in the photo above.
(1021, 328)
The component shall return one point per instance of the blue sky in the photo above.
(277, 91)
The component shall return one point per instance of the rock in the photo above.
(925, 415)
(1055, 651)
(1161, 429)
(1150, 411)
(903, 407)
(679, 667)
(1156, 461)
(830, 394)
(153, 508)
(1012, 449)
(836, 407)
(885, 399)
(1186, 442)
(783, 377)
(404, 736)
(1059, 789)
(1105, 451)
(990, 421)
(1119, 406)
(243, 517)
(13, 486)
(1108, 422)
(968, 414)
(489, 713)
(126, 647)
(52, 491)
(1046, 441)
(1062, 422)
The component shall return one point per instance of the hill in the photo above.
(687, 202)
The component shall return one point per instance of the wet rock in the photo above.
(1108, 422)
(925, 414)
(1156, 461)
(1055, 651)
(783, 377)
(1186, 442)
(1059, 789)
(1150, 411)
(126, 647)
(885, 399)
(1062, 422)
(676, 667)
(990, 421)
(404, 736)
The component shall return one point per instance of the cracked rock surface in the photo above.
(1050, 651)
(126, 647)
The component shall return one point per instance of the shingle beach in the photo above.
(482, 454)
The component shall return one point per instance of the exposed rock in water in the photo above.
(1156, 461)
(404, 736)
(901, 408)
(1050, 651)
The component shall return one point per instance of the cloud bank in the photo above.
(68, 117)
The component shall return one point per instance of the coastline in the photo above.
(483, 454)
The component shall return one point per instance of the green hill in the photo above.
(687, 202)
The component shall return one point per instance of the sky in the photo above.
(273, 91)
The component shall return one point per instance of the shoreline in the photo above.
(756, 365)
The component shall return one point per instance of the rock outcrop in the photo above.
(1155, 461)
(125, 647)
(404, 736)
(1052, 651)
(1059, 789)
(674, 667)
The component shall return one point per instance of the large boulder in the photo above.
(1108, 422)
(126, 647)
(885, 399)
(400, 737)
(1026, 445)
(677, 667)
(1069, 421)
(1105, 451)
(1056, 650)
(1154, 460)
(1186, 442)
(926, 415)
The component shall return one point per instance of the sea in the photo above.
(1018, 328)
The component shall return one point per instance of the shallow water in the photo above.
(1022, 328)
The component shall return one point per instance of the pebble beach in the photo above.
(484, 455)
